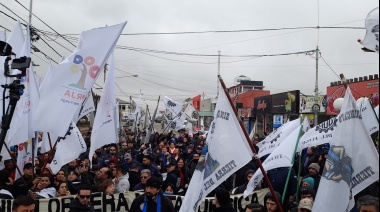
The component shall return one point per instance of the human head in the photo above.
(170, 189)
(164, 150)
(84, 194)
(124, 145)
(73, 175)
(308, 182)
(145, 175)
(306, 205)
(113, 162)
(103, 174)
(222, 197)
(73, 164)
(107, 187)
(181, 163)
(153, 187)
(60, 176)
(170, 167)
(28, 170)
(9, 166)
(270, 202)
(255, 207)
(249, 174)
(147, 160)
(307, 192)
(196, 157)
(112, 150)
(368, 204)
(128, 157)
(314, 169)
(62, 188)
(45, 180)
(23, 204)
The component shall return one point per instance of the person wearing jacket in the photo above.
(248, 175)
(82, 203)
(223, 201)
(270, 202)
(152, 200)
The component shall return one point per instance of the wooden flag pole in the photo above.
(251, 146)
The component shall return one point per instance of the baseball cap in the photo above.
(170, 164)
(199, 147)
(127, 156)
(304, 190)
(306, 204)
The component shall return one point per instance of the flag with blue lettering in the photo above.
(352, 163)
(226, 152)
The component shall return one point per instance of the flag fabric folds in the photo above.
(227, 152)
(174, 107)
(72, 80)
(352, 163)
(371, 39)
(104, 130)
(68, 149)
(282, 156)
(272, 141)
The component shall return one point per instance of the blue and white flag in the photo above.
(352, 163)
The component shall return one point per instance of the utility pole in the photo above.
(316, 108)
(218, 84)
(30, 13)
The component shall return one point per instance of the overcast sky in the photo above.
(160, 73)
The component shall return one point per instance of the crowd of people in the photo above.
(165, 166)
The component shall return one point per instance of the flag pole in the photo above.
(294, 154)
(13, 161)
(298, 176)
(251, 146)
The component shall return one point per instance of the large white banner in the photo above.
(190, 112)
(69, 86)
(104, 130)
(371, 39)
(227, 152)
(68, 149)
(352, 163)
(371, 122)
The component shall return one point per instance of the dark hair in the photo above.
(122, 169)
(22, 201)
(84, 187)
(368, 200)
(172, 186)
(109, 173)
(103, 186)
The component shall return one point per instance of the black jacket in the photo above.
(76, 206)
(166, 204)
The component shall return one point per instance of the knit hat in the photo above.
(315, 166)
(306, 204)
(154, 182)
(309, 180)
(223, 196)
(249, 171)
(113, 160)
(270, 196)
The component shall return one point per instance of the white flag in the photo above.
(174, 107)
(177, 123)
(202, 124)
(87, 108)
(105, 124)
(377, 111)
(270, 143)
(24, 156)
(370, 120)
(352, 163)
(137, 115)
(323, 133)
(16, 39)
(371, 39)
(282, 156)
(2, 36)
(21, 126)
(253, 131)
(46, 144)
(68, 149)
(69, 86)
(223, 157)
(190, 112)
(48, 76)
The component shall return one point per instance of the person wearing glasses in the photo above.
(83, 200)
(145, 175)
(153, 199)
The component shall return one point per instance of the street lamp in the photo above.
(127, 76)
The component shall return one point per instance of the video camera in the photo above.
(21, 63)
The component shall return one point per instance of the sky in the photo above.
(184, 76)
